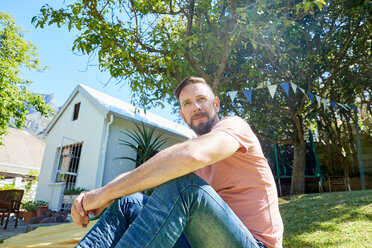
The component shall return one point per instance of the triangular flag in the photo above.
(347, 107)
(248, 95)
(232, 94)
(272, 90)
(333, 105)
(325, 103)
(302, 90)
(342, 105)
(311, 96)
(294, 88)
(319, 100)
(285, 87)
(261, 85)
(355, 108)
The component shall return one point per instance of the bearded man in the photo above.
(215, 190)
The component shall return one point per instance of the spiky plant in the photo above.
(143, 142)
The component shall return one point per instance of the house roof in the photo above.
(109, 105)
(21, 152)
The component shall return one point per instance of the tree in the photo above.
(152, 44)
(15, 55)
(316, 52)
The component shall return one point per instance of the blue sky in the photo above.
(66, 69)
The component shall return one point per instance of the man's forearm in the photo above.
(168, 164)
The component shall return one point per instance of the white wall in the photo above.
(89, 128)
(113, 166)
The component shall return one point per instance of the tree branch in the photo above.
(340, 53)
(194, 65)
(289, 141)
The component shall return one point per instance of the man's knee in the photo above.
(180, 183)
(136, 198)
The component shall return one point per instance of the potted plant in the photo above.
(69, 195)
(42, 207)
(30, 210)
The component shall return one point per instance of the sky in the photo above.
(66, 69)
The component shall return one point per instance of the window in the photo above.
(68, 164)
(76, 111)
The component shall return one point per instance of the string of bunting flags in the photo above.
(286, 87)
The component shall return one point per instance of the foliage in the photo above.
(152, 44)
(74, 191)
(31, 206)
(341, 219)
(8, 186)
(15, 55)
(32, 178)
(144, 143)
(234, 45)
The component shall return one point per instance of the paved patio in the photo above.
(22, 227)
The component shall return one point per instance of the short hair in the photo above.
(188, 81)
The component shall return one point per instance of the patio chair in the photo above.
(10, 201)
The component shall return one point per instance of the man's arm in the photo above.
(173, 162)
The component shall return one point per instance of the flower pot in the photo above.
(28, 215)
(21, 214)
(42, 210)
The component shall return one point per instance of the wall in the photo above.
(88, 128)
(116, 166)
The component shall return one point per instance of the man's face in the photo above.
(199, 107)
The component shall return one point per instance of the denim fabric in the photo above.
(186, 205)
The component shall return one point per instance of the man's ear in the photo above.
(182, 116)
(216, 103)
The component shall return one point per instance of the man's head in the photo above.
(199, 107)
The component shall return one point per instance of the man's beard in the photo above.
(203, 128)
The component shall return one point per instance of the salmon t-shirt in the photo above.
(245, 182)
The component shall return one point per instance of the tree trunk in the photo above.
(298, 173)
(352, 146)
(299, 161)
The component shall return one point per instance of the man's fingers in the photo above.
(79, 220)
(77, 212)
(78, 203)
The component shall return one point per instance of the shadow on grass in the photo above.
(327, 220)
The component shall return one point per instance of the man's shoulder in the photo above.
(231, 122)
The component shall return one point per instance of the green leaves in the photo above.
(16, 53)
(143, 142)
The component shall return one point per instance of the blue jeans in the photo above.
(186, 206)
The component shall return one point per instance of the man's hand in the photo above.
(92, 202)
(78, 213)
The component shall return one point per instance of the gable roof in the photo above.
(106, 105)
(21, 152)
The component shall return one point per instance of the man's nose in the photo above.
(196, 106)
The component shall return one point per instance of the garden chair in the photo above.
(340, 180)
(10, 201)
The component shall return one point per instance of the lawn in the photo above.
(340, 219)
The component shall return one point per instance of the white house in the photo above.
(82, 144)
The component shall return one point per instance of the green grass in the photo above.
(341, 219)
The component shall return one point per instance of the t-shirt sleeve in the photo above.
(237, 128)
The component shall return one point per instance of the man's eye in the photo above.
(186, 103)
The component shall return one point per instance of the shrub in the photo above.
(74, 191)
(29, 206)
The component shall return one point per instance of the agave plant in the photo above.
(144, 143)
